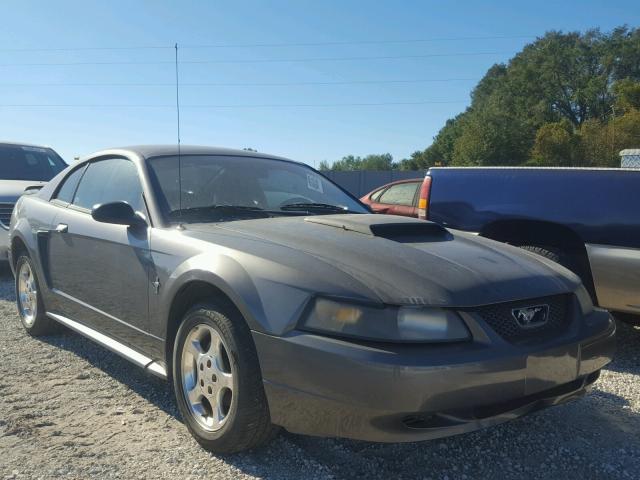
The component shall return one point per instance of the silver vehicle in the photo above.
(271, 298)
(22, 166)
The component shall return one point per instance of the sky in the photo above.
(290, 78)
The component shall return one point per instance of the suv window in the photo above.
(400, 194)
(68, 187)
(112, 180)
(22, 162)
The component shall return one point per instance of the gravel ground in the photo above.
(70, 409)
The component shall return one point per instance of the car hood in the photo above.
(406, 261)
(11, 190)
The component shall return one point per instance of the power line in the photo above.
(270, 45)
(205, 106)
(239, 84)
(263, 60)
(358, 42)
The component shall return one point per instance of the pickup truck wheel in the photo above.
(217, 381)
(630, 318)
(29, 300)
(547, 252)
(576, 263)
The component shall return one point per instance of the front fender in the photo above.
(21, 230)
(267, 305)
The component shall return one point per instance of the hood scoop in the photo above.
(385, 226)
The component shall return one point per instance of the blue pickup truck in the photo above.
(585, 219)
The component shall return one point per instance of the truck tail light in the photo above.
(423, 201)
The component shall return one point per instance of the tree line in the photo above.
(566, 99)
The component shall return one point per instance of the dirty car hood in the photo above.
(410, 261)
(11, 190)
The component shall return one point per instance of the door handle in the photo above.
(62, 228)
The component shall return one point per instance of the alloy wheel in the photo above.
(27, 294)
(207, 377)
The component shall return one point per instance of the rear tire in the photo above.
(569, 261)
(29, 300)
(217, 381)
(630, 318)
(547, 252)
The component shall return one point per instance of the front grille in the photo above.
(5, 214)
(500, 318)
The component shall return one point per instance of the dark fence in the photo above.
(359, 182)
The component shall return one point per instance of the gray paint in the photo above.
(100, 276)
(616, 276)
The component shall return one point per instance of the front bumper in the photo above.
(394, 393)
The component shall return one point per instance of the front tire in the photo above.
(630, 318)
(217, 381)
(29, 300)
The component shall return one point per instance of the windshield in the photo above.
(19, 162)
(216, 188)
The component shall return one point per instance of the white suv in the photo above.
(22, 166)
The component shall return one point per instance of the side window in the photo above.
(400, 194)
(68, 187)
(375, 196)
(109, 180)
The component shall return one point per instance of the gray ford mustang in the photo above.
(271, 298)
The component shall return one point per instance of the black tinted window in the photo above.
(29, 163)
(258, 183)
(109, 181)
(68, 188)
(401, 194)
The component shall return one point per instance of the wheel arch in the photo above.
(530, 232)
(190, 293)
(521, 232)
(18, 245)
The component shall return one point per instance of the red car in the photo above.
(405, 197)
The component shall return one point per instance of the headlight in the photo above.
(388, 324)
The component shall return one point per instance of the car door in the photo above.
(100, 271)
(397, 199)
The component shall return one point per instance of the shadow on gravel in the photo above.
(627, 359)
(144, 384)
(5, 272)
(138, 380)
(566, 433)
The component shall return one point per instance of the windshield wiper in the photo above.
(192, 212)
(314, 207)
(223, 212)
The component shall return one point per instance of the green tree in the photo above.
(324, 165)
(627, 94)
(492, 136)
(370, 162)
(555, 145)
(581, 79)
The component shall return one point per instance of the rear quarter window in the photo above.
(69, 184)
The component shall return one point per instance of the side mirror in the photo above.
(119, 213)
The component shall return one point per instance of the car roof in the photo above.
(406, 180)
(22, 144)
(149, 151)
